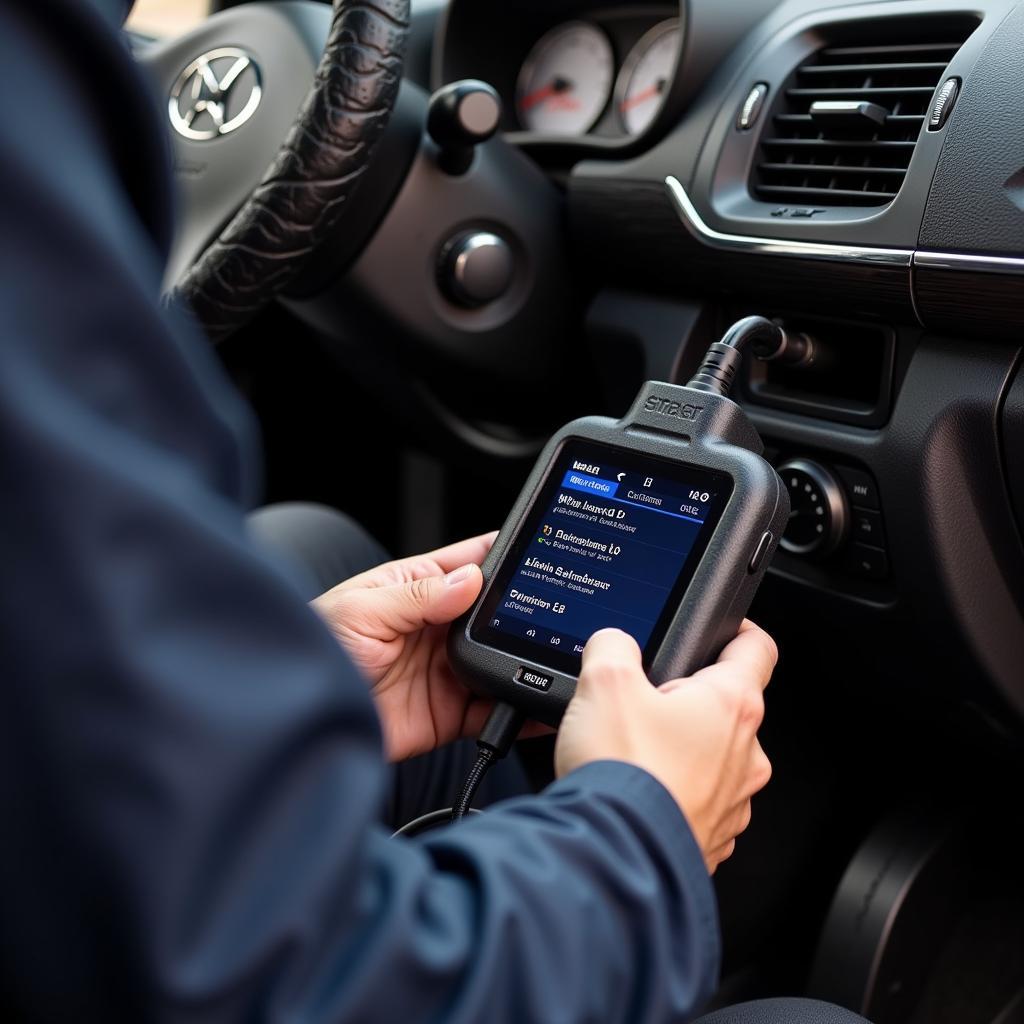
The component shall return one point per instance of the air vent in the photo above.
(819, 148)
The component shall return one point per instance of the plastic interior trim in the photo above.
(832, 251)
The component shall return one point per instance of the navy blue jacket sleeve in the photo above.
(190, 771)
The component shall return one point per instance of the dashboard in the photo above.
(857, 171)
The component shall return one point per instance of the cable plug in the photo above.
(718, 371)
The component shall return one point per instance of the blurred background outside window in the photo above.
(166, 17)
(161, 18)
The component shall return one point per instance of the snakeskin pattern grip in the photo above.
(308, 187)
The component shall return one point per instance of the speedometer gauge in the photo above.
(645, 76)
(566, 80)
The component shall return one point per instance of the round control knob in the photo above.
(819, 516)
(476, 268)
(461, 116)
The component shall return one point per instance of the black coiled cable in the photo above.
(485, 757)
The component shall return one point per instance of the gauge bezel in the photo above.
(530, 59)
(633, 58)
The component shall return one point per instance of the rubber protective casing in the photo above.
(687, 426)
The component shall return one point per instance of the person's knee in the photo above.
(326, 545)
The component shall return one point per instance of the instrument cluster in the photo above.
(604, 76)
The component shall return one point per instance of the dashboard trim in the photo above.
(833, 251)
(979, 263)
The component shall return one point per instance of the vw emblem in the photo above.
(217, 93)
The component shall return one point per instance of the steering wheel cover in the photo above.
(304, 193)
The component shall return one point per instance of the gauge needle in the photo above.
(538, 96)
(646, 94)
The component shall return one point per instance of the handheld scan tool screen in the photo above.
(613, 539)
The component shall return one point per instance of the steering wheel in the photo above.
(362, 223)
(306, 191)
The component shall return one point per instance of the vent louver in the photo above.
(813, 160)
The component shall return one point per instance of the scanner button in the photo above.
(531, 677)
(760, 551)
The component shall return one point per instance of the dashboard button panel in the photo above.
(836, 519)
(868, 562)
(861, 487)
(867, 527)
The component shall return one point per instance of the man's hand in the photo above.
(393, 621)
(697, 736)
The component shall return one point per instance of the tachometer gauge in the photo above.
(566, 80)
(645, 76)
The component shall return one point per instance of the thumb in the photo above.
(612, 657)
(429, 601)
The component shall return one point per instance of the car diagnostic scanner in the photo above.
(660, 524)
